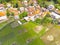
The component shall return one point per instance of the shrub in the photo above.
(22, 15)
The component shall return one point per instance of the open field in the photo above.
(2, 24)
(55, 32)
(20, 35)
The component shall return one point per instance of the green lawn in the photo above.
(37, 41)
(2, 24)
(20, 34)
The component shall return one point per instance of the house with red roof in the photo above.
(15, 11)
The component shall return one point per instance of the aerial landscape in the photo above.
(29, 22)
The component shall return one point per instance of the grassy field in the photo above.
(55, 32)
(2, 24)
(20, 35)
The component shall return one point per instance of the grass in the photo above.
(37, 41)
(2, 24)
(23, 21)
(57, 26)
(10, 35)
(55, 31)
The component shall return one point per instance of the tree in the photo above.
(15, 5)
(38, 21)
(47, 19)
(58, 1)
(12, 14)
(8, 14)
(41, 3)
(22, 15)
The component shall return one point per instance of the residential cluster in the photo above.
(34, 11)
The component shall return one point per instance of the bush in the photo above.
(23, 21)
(15, 5)
(38, 21)
(46, 20)
(57, 6)
(22, 15)
(8, 14)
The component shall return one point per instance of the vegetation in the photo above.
(38, 21)
(3, 24)
(46, 20)
(8, 14)
(19, 35)
(57, 6)
(23, 21)
(22, 15)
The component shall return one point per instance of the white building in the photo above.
(3, 17)
(22, 9)
(28, 18)
(25, 3)
(57, 16)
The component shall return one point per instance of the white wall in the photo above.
(3, 17)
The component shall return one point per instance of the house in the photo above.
(25, 2)
(22, 9)
(34, 2)
(31, 8)
(57, 11)
(2, 12)
(38, 7)
(9, 5)
(27, 18)
(15, 11)
(3, 16)
(57, 16)
(2, 7)
(32, 13)
(44, 12)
